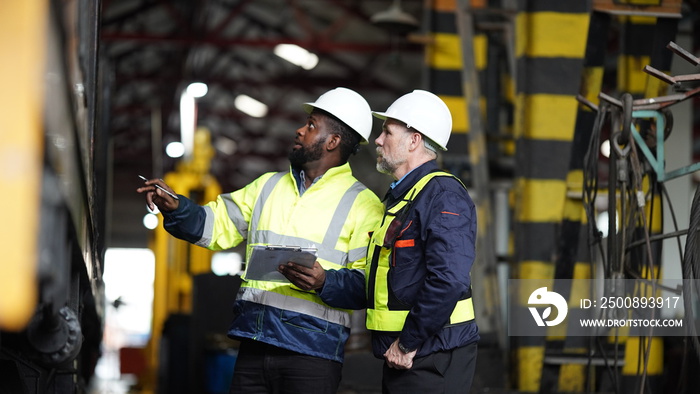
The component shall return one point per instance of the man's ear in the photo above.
(332, 142)
(416, 141)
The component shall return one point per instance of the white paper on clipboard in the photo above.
(264, 261)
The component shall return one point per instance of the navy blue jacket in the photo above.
(433, 275)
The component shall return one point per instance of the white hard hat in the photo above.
(425, 112)
(349, 107)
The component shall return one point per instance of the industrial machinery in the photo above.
(511, 73)
(189, 301)
(53, 178)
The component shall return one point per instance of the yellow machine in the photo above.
(19, 295)
(176, 260)
(53, 164)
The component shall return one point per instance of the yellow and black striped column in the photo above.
(636, 38)
(550, 45)
(573, 253)
(444, 67)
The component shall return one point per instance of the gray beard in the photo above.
(384, 167)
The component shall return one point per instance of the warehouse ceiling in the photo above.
(153, 49)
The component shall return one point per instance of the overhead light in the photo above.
(188, 121)
(150, 221)
(225, 263)
(395, 19)
(605, 148)
(188, 115)
(197, 89)
(225, 145)
(250, 106)
(296, 55)
(603, 223)
(175, 149)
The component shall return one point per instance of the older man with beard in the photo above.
(291, 341)
(418, 286)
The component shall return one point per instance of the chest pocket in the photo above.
(406, 268)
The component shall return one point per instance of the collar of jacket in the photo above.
(343, 169)
(407, 183)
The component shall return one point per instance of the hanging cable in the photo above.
(589, 196)
(690, 269)
(590, 180)
(676, 233)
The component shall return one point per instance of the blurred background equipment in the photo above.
(574, 129)
(54, 177)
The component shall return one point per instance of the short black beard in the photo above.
(301, 156)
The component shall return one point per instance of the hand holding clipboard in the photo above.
(264, 261)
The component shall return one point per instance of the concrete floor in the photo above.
(362, 374)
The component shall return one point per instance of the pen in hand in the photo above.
(159, 187)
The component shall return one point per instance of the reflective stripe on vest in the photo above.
(286, 297)
(386, 320)
(205, 240)
(326, 250)
(262, 198)
(379, 316)
(294, 304)
(235, 214)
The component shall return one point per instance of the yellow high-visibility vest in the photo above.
(334, 216)
(380, 316)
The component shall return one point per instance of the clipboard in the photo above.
(264, 261)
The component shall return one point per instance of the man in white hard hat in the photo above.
(291, 341)
(418, 285)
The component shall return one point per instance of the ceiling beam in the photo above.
(317, 46)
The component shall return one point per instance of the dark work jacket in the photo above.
(431, 276)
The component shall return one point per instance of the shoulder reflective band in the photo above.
(235, 215)
(340, 215)
(262, 198)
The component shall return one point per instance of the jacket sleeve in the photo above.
(449, 228)
(345, 288)
(186, 222)
(218, 225)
